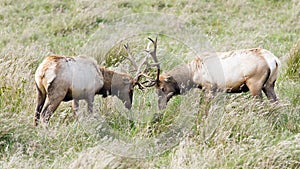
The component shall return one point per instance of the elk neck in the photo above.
(183, 76)
(107, 76)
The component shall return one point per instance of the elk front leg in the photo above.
(90, 101)
(255, 87)
(268, 89)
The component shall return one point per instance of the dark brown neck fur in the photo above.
(107, 75)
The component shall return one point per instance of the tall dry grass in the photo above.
(231, 131)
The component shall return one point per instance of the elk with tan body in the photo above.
(62, 78)
(253, 70)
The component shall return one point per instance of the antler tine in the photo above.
(141, 84)
(138, 67)
(129, 57)
(145, 61)
(153, 54)
(139, 70)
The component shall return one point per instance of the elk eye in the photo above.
(163, 89)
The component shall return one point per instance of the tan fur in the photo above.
(234, 71)
(62, 78)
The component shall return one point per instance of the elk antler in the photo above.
(138, 68)
(129, 57)
(157, 64)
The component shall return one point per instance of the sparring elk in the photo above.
(253, 70)
(63, 78)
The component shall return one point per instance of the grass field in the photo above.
(230, 131)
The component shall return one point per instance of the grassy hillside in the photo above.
(230, 131)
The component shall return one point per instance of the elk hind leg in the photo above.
(41, 97)
(50, 107)
(268, 89)
(53, 100)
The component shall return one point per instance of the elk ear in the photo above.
(168, 79)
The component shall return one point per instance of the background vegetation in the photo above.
(231, 131)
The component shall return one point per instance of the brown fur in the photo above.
(174, 82)
(107, 75)
(118, 84)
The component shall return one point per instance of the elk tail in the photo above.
(274, 71)
(274, 65)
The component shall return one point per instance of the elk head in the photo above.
(117, 84)
(166, 86)
(122, 85)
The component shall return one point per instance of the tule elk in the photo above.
(253, 70)
(63, 78)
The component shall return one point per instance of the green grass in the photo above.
(293, 62)
(230, 131)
